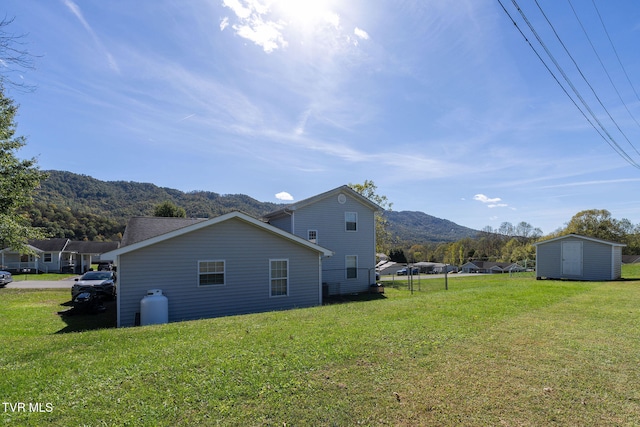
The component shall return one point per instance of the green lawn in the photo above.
(492, 350)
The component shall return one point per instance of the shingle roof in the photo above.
(174, 227)
(50, 245)
(142, 228)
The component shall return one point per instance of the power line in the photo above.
(603, 131)
(615, 51)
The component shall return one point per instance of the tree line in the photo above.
(509, 243)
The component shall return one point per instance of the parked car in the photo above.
(105, 266)
(5, 278)
(405, 271)
(104, 283)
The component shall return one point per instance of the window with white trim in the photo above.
(211, 273)
(351, 264)
(279, 277)
(351, 221)
(312, 236)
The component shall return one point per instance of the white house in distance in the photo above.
(577, 257)
(58, 255)
(236, 264)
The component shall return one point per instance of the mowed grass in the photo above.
(492, 350)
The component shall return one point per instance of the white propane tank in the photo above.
(154, 308)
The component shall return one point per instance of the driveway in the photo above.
(41, 284)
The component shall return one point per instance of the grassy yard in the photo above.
(492, 350)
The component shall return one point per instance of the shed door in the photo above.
(572, 258)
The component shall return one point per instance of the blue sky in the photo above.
(442, 104)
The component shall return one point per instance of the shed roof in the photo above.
(579, 236)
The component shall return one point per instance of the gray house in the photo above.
(59, 255)
(491, 267)
(231, 264)
(578, 257)
(343, 221)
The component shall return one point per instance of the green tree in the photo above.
(597, 223)
(168, 209)
(383, 236)
(18, 181)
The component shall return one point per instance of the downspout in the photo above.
(320, 278)
(118, 290)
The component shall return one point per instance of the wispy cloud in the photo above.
(75, 9)
(490, 202)
(274, 23)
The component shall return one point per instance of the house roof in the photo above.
(579, 236)
(306, 202)
(142, 228)
(199, 224)
(50, 245)
(66, 245)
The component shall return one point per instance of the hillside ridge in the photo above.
(85, 208)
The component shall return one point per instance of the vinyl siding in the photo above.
(172, 266)
(327, 216)
(600, 261)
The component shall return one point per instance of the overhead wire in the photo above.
(615, 51)
(603, 132)
(603, 67)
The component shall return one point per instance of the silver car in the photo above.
(5, 278)
(104, 283)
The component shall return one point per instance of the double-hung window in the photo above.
(211, 273)
(351, 221)
(279, 277)
(312, 236)
(351, 264)
(47, 257)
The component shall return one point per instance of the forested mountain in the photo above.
(410, 227)
(81, 207)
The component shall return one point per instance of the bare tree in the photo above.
(14, 57)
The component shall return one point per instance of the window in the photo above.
(312, 236)
(351, 221)
(351, 264)
(210, 273)
(47, 257)
(279, 275)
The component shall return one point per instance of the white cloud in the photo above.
(497, 205)
(283, 195)
(361, 33)
(265, 33)
(224, 23)
(484, 199)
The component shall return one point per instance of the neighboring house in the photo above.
(578, 257)
(491, 267)
(58, 255)
(231, 264)
(343, 221)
